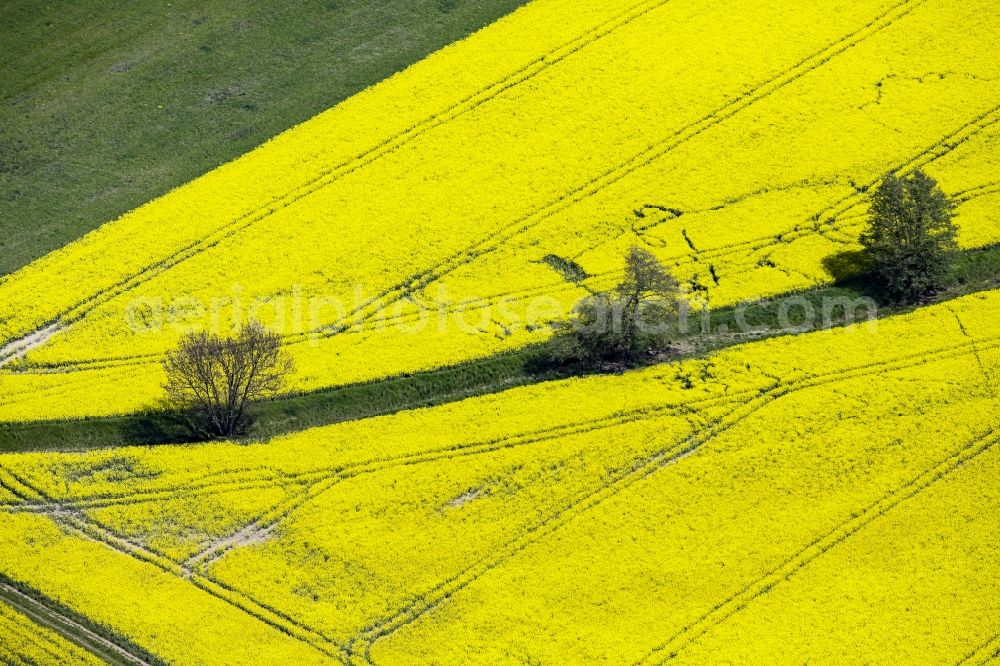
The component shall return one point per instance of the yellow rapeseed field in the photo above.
(25, 643)
(830, 496)
(825, 497)
(424, 222)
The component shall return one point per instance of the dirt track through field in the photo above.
(64, 625)
(18, 348)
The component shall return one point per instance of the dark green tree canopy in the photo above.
(627, 322)
(911, 239)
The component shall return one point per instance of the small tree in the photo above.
(910, 242)
(627, 323)
(212, 379)
(649, 296)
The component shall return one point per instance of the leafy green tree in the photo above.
(649, 296)
(911, 240)
(627, 323)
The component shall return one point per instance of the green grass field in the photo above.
(106, 105)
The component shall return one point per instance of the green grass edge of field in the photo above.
(973, 270)
(105, 106)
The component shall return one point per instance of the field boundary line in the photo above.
(346, 167)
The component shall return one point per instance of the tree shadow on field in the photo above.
(845, 266)
(156, 428)
(851, 270)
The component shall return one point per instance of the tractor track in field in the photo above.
(840, 533)
(504, 233)
(262, 527)
(46, 614)
(823, 222)
(641, 469)
(17, 349)
(984, 653)
(971, 193)
(359, 160)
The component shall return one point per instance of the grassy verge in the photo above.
(289, 414)
(976, 270)
(972, 271)
(106, 105)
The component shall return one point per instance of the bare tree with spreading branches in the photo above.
(213, 379)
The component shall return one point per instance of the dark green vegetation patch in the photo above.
(107, 105)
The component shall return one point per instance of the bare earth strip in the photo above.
(18, 348)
